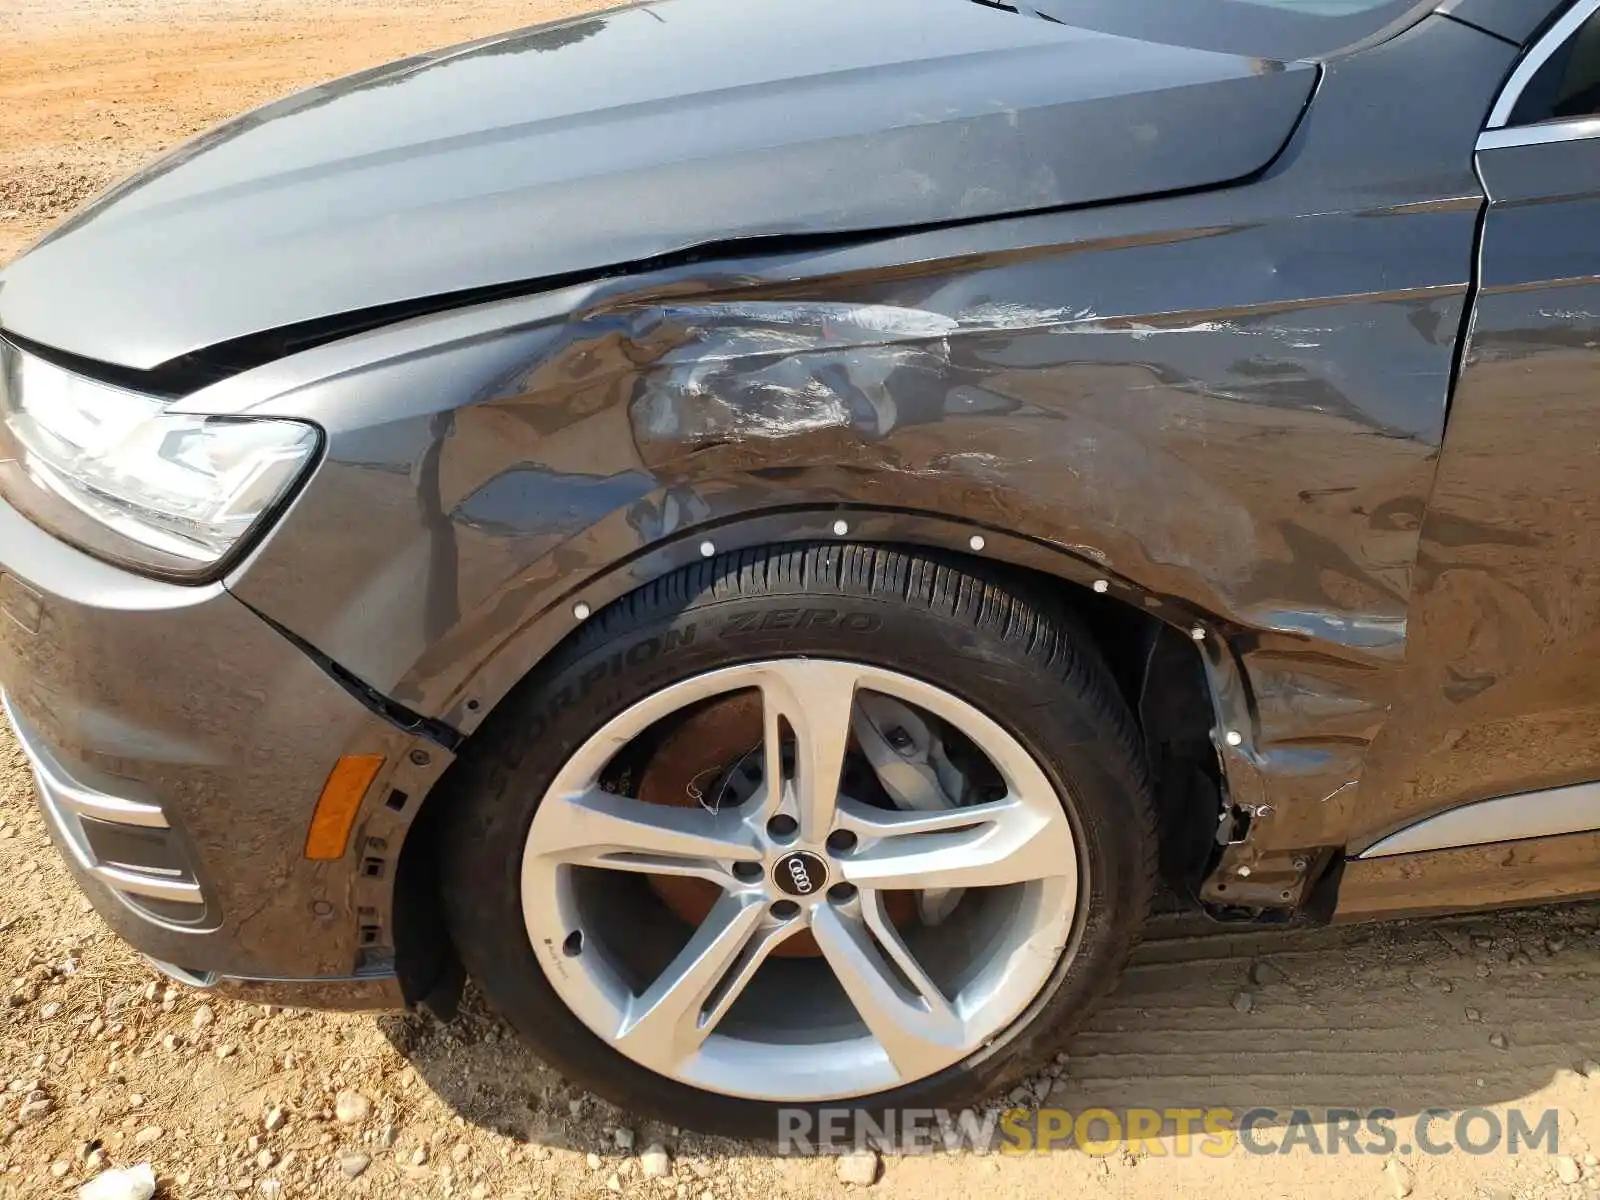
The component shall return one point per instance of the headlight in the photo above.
(176, 492)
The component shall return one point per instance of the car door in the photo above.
(1502, 691)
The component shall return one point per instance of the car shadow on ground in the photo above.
(1453, 1013)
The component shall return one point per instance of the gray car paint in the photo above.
(532, 156)
(1499, 698)
(1272, 362)
(1516, 20)
(132, 686)
(1229, 404)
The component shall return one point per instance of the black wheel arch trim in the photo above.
(503, 667)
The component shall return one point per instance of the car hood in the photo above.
(628, 135)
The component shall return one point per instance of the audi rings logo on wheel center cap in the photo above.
(800, 873)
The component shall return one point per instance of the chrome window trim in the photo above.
(1576, 130)
(1535, 58)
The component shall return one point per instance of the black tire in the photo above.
(1028, 665)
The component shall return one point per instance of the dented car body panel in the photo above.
(1269, 387)
(1243, 413)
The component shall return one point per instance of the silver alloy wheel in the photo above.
(882, 1007)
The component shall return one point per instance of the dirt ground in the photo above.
(103, 1064)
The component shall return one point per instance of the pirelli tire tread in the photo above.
(954, 623)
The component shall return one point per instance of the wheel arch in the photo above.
(1161, 670)
(1096, 593)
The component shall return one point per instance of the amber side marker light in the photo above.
(336, 808)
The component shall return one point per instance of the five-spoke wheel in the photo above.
(805, 854)
(815, 826)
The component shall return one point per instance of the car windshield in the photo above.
(1279, 29)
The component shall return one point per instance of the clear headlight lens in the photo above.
(187, 488)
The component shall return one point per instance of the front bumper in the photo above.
(179, 744)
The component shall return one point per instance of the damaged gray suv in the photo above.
(766, 533)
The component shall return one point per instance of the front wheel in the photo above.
(816, 827)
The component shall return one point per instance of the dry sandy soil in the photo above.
(110, 1066)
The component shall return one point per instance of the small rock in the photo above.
(35, 1110)
(132, 1183)
(270, 1189)
(1589, 1069)
(1474, 1016)
(226, 1051)
(203, 1016)
(150, 1133)
(266, 1159)
(95, 1160)
(419, 1157)
(1244, 1002)
(1555, 943)
(1568, 1170)
(135, 1099)
(592, 1160)
(354, 1163)
(1455, 940)
(859, 1167)
(1590, 1160)
(1400, 1179)
(389, 1136)
(574, 1107)
(624, 1139)
(50, 1010)
(460, 1152)
(60, 1167)
(654, 1161)
(1446, 986)
(1263, 973)
(275, 1119)
(351, 1108)
(1498, 1041)
(613, 1184)
(172, 1041)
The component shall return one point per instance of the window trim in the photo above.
(1498, 132)
(1572, 129)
